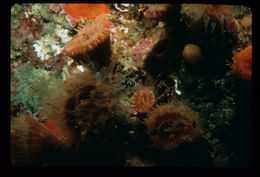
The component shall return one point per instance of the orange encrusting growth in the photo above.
(242, 64)
(143, 100)
(87, 11)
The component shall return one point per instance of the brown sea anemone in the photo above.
(143, 100)
(84, 105)
(32, 142)
(171, 125)
(91, 43)
(242, 64)
(156, 11)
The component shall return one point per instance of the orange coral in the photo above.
(171, 125)
(86, 11)
(143, 100)
(92, 43)
(242, 64)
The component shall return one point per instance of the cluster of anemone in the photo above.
(208, 14)
(91, 43)
(171, 125)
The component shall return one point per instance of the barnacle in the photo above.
(242, 64)
(171, 125)
(91, 43)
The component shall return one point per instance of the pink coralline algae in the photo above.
(57, 7)
(142, 46)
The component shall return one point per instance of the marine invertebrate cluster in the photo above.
(46, 46)
(171, 125)
(208, 14)
(92, 43)
(143, 100)
(156, 11)
(191, 53)
(242, 64)
(32, 142)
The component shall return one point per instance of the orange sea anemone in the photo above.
(87, 11)
(31, 141)
(92, 43)
(171, 125)
(156, 11)
(242, 64)
(143, 100)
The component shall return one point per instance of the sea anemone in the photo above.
(84, 105)
(171, 125)
(91, 43)
(32, 142)
(143, 100)
(156, 11)
(208, 14)
(191, 53)
(242, 64)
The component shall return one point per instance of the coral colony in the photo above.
(130, 85)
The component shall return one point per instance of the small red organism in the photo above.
(143, 100)
(242, 64)
(171, 125)
(52, 127)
